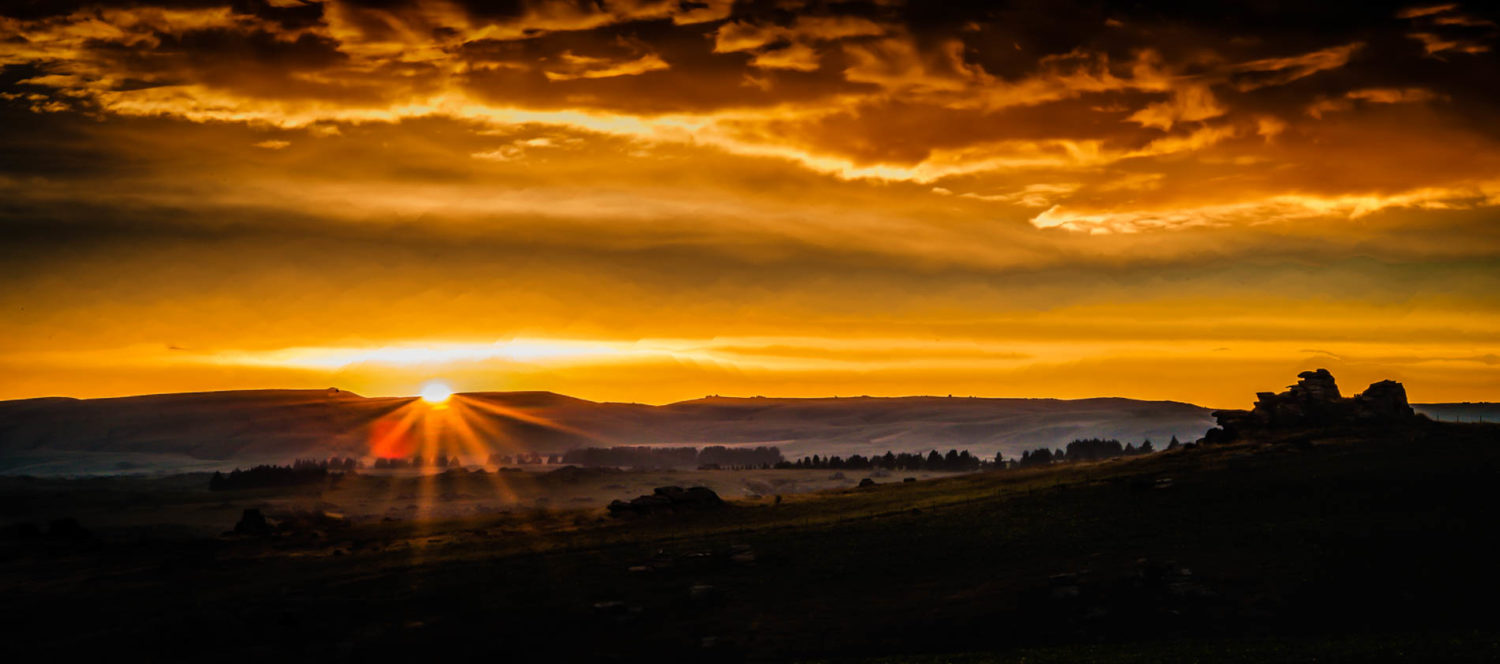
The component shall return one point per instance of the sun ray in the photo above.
(522, 416)
(463, 422)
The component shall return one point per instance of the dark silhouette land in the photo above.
(1315, 527)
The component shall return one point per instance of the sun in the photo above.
(436, 392)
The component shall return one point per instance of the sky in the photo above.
(653, 201)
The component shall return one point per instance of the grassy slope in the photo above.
(1297, 552)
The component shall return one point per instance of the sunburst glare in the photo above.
(436, 392)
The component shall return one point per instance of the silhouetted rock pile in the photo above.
(1385, 400)
(255, 523)
(252, 522)
(314, 523)
(668, 499)
(1314, 402)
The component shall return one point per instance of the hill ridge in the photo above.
(221, 430)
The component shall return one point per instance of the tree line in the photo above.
(302, 471)
(418, 461)
(953, 461)
(1089, 449)
(523, 458)
(643, 456)
(1083, 449)
(307, 471)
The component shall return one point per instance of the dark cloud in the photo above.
(635, 57)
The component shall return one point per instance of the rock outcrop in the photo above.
(1385, 400)
(1313, 403)
(253, 522)
(667, 499)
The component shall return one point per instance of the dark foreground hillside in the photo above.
(1335, 546)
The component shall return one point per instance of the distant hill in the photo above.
(181, 432)
(1466, 411)
(218, 430)
(869, 425)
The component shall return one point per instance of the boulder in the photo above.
(700, 496)
(668, 499)
(252, 522)
(1385, 400)
(1315, 386)
(668, 491)
(1313, 401)
(314, 522)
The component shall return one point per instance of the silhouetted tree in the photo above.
(302, 471)
(1094, 449)
(1038, 457)
(954, 461)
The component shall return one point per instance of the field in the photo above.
(125, 507)
(1337, 546)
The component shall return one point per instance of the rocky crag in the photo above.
(1313, 403)
(668, 499)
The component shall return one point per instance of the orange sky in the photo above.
(652, 201)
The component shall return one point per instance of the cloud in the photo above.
(899, 63)
(1273, 210)
(740, 36)
(1466, 21)
(581, 66)
(1034, 118)
(1032, 195)
(1434, 44)
(1425, 10)
(1392, 95)
(703, 11)
(794, 56)
(1442, 29)
(1372, 96)
(1188, 104)
(757, 196)
(1283, 70)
